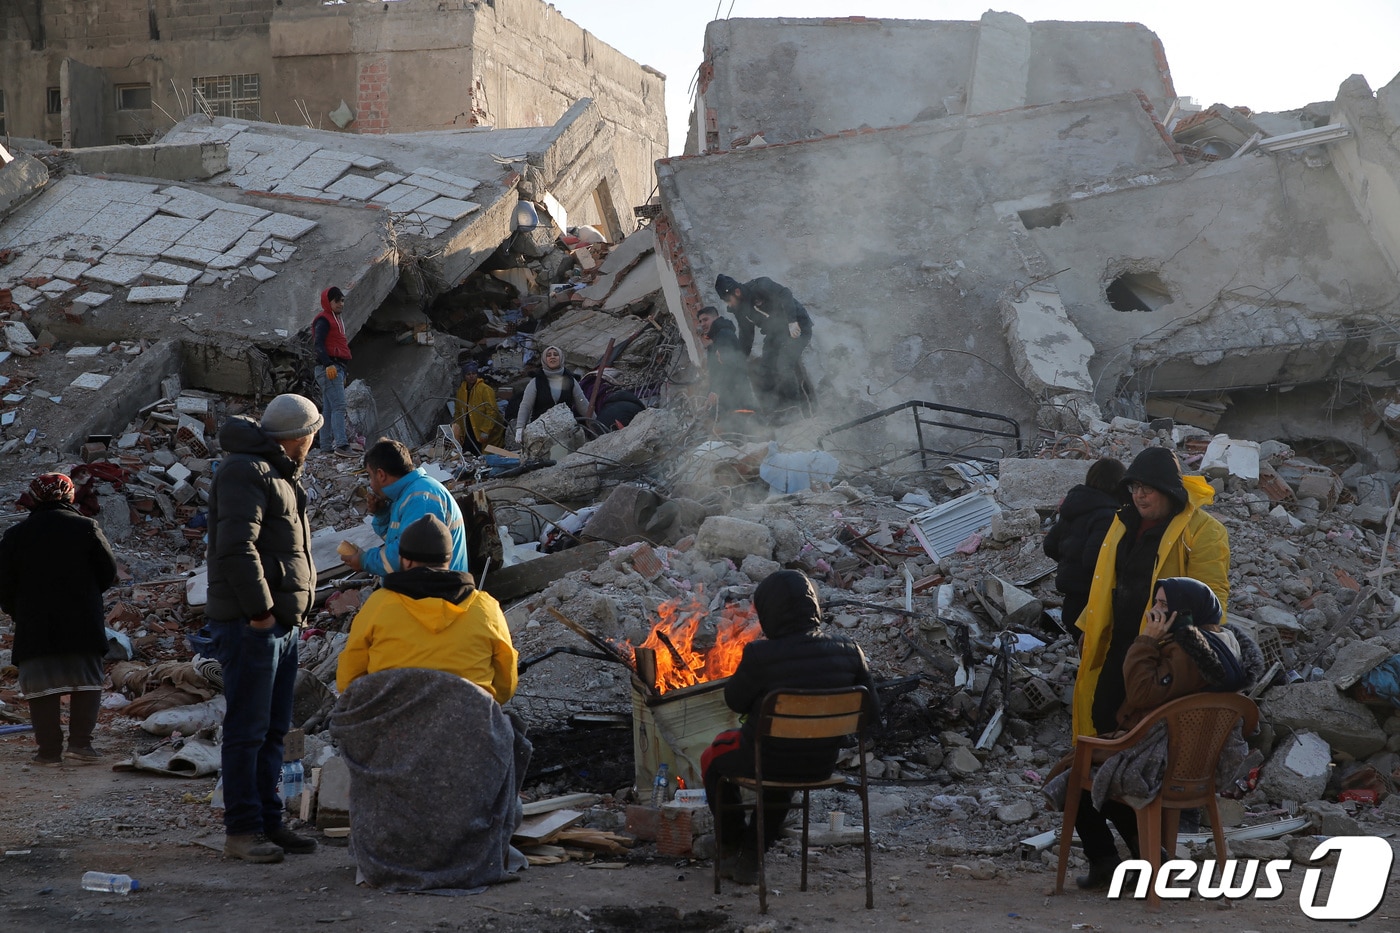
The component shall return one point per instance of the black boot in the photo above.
(1100, 874)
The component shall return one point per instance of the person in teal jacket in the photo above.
(400, 496)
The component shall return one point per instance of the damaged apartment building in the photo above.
(1022, 218)
(202, 254)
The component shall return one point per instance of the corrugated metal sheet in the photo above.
(945, 526)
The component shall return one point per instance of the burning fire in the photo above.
(680, 662)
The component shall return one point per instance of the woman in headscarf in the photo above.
(54, 566)
(551, 386)
(1184, 648)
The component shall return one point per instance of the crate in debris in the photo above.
(1271, 644)
(679, 825)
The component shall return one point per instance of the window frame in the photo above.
(120, 89)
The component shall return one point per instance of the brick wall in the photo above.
(372, 100)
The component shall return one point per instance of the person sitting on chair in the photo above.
(793, 654)
(1183, 649)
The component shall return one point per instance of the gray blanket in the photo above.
(1135, 774)
(435, 773)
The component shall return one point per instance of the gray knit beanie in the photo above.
(290, 416)
(427, 541)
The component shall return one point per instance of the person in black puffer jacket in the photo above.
(1074, 541)
(793, 654)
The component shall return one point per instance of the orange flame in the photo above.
(681, 621)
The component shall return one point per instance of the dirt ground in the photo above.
(57, 823)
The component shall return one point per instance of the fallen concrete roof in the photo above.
(231, 268)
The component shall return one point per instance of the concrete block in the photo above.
(555, 427)
(758, 568)
(723, 536)
(961, 762)
(650, 433)
(1037, 484)
(333, 796)
(1330, 819)
(1226, 456)
(390, 178)
(1016, 812)
(176, 161)
(1324, 487)
(152, 294)
(1317, 707)
(1013, 526)
(1297, 770)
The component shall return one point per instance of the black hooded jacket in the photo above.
(54, 566)
(1074, 541)
(793, 654)
(259, 540)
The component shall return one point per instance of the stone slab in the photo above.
(1037, 484)
(152, 294)
(191, 254)
(285, 226)
(119, 271)
(357, 187)
(445, 188)
(260, 272)
(219, 231)
(169, 272)
(92, 299)
(404, 197)
(449, 208)
(90, 381)
(186, 203)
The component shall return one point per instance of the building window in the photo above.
(229, 96)
(55, 101)
(133, 97)
(135, 139)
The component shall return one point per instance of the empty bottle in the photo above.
(658, 790)
(109, 884)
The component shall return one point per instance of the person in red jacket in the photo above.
(332, 354)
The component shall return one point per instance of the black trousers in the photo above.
(1092, 826)
(45, 715)
(734, 829)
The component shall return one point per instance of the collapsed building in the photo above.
(75, 77)
(1041, 241)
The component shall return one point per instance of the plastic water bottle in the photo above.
(658, 790)
(109, 884)
(291, 779)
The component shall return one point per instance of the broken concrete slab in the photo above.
(154, 294)
(1037, 484)
(734, 538)
(1298, 769)
(1317, 707)
(507, 584)
(175, 161)
(650, 435)
(1050, 354)
(1227, 456)
(557, 427)
(1355, 660)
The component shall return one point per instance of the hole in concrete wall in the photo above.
(1038, 217)
(1138, 291)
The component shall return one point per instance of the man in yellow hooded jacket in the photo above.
(1163, 533)
(428, 616)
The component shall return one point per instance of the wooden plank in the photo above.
(550, 804)
(508, 584)
(541, 828)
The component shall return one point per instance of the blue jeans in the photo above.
(332, 408)
(260, 672)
